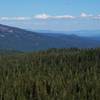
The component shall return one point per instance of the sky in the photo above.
(59, 15)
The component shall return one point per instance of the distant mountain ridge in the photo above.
(24, 40)
(88, 33)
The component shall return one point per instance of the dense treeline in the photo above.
(55, 74)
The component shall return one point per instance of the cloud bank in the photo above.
(46, 17)
(81, 16)
(15, 18)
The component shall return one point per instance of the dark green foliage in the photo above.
(55, 74)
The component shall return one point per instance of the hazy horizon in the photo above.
(82, 33)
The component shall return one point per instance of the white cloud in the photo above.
(46, 16)
(22, 18)
(84, 15)
(89, 16)
(15, 18)
(64, 17)
(97, 17)
(4, 18)
(42, 16)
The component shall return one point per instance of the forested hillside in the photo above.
(55, 74)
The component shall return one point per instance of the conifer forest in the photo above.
(53, 74)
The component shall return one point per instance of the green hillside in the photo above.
(55, 74)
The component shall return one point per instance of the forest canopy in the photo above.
(55, 74)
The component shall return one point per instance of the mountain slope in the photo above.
(23, 40)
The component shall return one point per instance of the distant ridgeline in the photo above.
(55, 74)
(23, 40)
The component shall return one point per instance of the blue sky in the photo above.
(51, 14)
